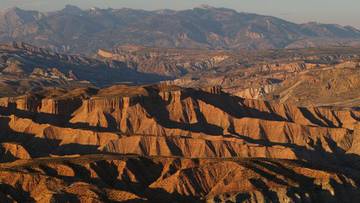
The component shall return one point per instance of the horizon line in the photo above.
(202, 6)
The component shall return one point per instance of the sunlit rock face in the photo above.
(163, 142)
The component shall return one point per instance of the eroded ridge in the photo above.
(162, 142)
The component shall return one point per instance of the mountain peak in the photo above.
(26, 16)
(71, 9)
(14, 10)
(204, 27)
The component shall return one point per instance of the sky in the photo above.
(343, 12)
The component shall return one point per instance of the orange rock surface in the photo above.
(163, 143)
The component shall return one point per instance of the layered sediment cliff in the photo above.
(200, 144)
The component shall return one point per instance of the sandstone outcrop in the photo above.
(12, 151)
(165, 143)
(107, 178)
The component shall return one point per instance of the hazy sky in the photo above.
(344, 12)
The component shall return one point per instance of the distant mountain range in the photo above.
(85, 31)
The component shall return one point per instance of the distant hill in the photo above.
(25, 68)
(85, 31)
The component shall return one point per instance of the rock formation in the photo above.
(165, 143)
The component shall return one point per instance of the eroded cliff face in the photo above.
(107, 178)
(204, 145)
(28, 69)
(163, 61)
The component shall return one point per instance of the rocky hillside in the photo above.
(167, 62)
(165, 143)
(317, 77)
(25, 68)
(320, 77)
(85, 31)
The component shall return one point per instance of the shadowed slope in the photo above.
(164, 144)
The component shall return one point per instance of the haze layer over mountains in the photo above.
(85, 31)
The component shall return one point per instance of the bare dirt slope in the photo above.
(164, 143)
